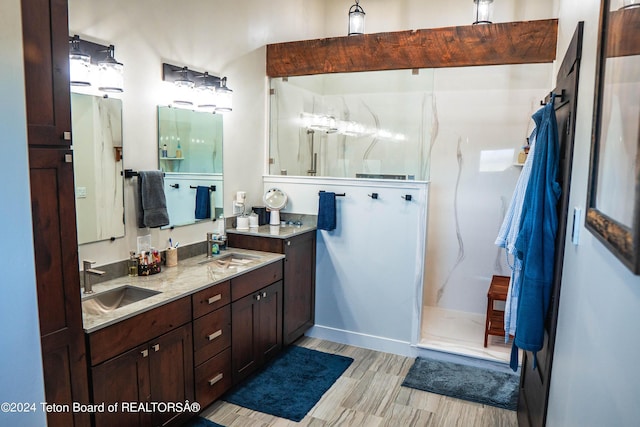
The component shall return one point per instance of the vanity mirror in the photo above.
(190, 154)
(97, 145)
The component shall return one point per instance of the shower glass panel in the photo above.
(377, 124)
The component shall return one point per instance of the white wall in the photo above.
(595, 379)
(20, 358)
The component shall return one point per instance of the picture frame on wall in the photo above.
(613, 199)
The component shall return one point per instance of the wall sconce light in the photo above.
(482, 11)
(79, 64)
(110, 73)
(92, 64)
(204, 91)
(356, 19)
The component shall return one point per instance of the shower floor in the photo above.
(460, 333)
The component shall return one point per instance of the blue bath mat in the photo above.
(290, 385)
(481, 385)
(200, 422)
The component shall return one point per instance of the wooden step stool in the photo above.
(494, 324)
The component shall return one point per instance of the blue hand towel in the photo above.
(152, 204)
(327, 211)
(203, 203)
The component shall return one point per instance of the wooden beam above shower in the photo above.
(525, 42)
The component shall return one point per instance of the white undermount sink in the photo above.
(105, 302)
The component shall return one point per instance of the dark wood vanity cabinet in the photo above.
(299, 286)
(156, 366)
(212, 342)
(256, 319)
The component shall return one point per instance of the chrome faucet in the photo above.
(209, 244)
(86, 274)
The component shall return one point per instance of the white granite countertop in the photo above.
(191, 275)
(275, 231)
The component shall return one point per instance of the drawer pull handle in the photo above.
(156, 347)
(216, 379)
(215, 298)
(144, 353)
(257, 297)
(215, 335)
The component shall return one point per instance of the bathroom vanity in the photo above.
(187, 334)
(193, 331)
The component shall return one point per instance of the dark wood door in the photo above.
(244, 335)
(58, 282)
(124, 378)
(534, 383)
(300, 286)
(171, 371)
(269, 341)
(45, 31)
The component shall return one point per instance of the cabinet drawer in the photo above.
(211, 334)
(255, 280)
(211, 299)
(256, 243)
(116, 339)
(213, 378)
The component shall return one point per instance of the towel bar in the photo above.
(211, 187)
(337, 194)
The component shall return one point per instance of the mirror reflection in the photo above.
(190, 154)
(96, 124)
(360, 125)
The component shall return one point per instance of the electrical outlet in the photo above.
(81, 192)
(237, 209)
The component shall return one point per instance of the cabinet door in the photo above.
(58, 282)
(171, 370)
(269, 337)
(299, 286)
(122, 379)
(46, 70)
(244, 335)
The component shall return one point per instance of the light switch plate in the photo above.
(81, 192)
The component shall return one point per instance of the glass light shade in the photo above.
(482, 11)
(110, 73)
(206, 97)
(225, 97)
(356, 20)
(79, 66)
(183, 91)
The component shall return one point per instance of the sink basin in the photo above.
(230, 259)
(108, 301)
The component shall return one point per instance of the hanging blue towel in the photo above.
(327, 211)
(203, 203)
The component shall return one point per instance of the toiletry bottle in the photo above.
(179, 150)
(164, 151)
(133, 264)
(221, 225)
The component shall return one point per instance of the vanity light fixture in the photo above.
(196, 90)
(79, 64)
(356, 19)
(110, 73)
(225, 97)
(93, 65)
(482, 11)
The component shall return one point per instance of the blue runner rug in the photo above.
(481, 385)
(290, 385)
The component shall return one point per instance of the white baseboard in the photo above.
(372, 342)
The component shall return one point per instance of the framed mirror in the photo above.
(96, 124)
(190, 154)
(613, 213)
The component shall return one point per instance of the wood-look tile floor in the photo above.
(369, 394)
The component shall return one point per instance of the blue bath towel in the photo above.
(327, 211)
(203, 203)
(152, 205)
